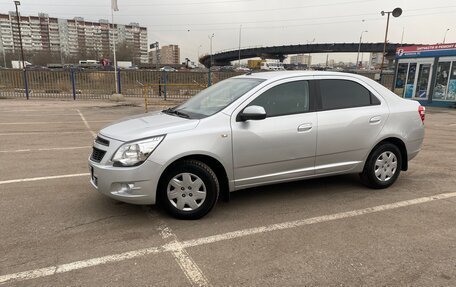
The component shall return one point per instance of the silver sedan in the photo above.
(254, 130)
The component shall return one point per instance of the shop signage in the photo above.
(426, 51)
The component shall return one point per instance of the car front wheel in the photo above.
(382, 167)
(189, 190)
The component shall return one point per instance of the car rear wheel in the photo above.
(189, 190)
(382, 167)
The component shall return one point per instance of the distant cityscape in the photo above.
(51, 40)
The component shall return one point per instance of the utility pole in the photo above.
(359, 47)
(17, 3)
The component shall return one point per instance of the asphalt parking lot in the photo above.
(55, 230)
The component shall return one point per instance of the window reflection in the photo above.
(451, 96)
(410, 81)
(441, 82)
(400, 79)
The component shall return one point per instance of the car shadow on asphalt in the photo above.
(302, 188)
(267, 195)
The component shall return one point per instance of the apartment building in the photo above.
(170, 54)
(70, 37)
(167, 55)
(301, 59)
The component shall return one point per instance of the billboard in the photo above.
(426, 51)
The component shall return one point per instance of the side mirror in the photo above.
(252, 113)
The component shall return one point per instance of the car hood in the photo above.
(147, 125)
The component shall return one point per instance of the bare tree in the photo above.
(44, 58)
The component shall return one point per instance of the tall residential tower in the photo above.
(70, 37)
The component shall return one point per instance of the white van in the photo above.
(272, 66)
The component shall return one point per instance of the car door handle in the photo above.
(305, 127)
(375, 120)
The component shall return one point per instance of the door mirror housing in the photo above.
(252, 113)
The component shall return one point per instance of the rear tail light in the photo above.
(422, 112)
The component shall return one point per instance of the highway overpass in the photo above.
(279, 52)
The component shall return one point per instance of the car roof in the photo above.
(276, 75)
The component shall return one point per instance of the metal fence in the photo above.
(101, 84)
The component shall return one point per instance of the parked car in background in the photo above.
(242, 69)
(253, 130)
(168, 69)
(227, 69)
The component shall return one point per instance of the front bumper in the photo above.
(136, 185)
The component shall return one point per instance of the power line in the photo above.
(298, 25)
(140, 5)
(265, 21)
(250, 11)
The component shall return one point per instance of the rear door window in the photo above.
(342, 94)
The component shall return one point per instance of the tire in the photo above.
(189, 190)
(382, 167)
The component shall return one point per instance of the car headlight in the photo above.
(135, 153)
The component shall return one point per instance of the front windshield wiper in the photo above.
(172, 111)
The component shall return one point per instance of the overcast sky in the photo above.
(188, 23)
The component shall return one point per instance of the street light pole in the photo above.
(359, 47)
(114, 28)
(308, 59)
(444, 37)
(396, 13)
(3, 49)
(210, 38)
(157, 54)
(198, 55)
(240, 31)
(17, 3)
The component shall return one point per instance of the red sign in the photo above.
(417, 50)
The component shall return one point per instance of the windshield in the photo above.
(215, 98)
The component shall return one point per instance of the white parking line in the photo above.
(186, 263)
(39, 133)
(41, 115)
(48, 123)
(43, 178)
(45, 149)
(12, 110)
(171, 247)
(52, 270)
(86, 123)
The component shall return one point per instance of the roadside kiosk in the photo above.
(427, 74)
